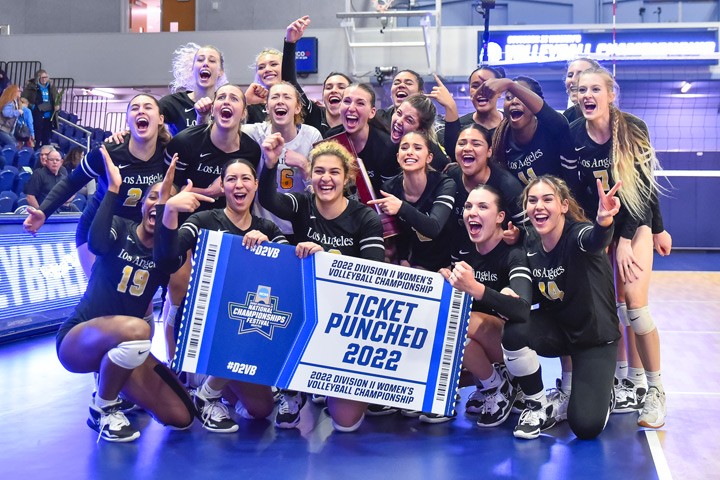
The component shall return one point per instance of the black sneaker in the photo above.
(288, 414)
(475, 402)
(214, 414)
(125, 406)
(434, 418)
(498, 405)
(111, 424)
(629, 397)
(380, 410)
(534, 420)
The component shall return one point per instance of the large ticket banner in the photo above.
(327, 324)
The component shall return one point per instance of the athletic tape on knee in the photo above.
(171, 314)
(130, 354)
(521, 363)
(641, 321)
(622, 314)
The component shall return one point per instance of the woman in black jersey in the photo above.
(572, 73)
(272, 66)
(486, 112)
(472, 168)
(417, 114)
(422, 199)
(611, 145)
(405, 83)
(198, 72)
(371, 143)
(239, 185)
(333, 87)
(107, 334)
(141, 164)
(531, 137)
(483, 272)
(202, 151)
(573, 284)
(323, 221)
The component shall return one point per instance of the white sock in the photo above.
(654, 379)
(495, 380)
(209, 393)
(637, 376)
(566, 382)
(621, 369)
(102, 403)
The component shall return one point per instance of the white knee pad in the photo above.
(641, 321)
(622, 314)
(521, 363)
(171, 314)
(351, 428)
(130, 354)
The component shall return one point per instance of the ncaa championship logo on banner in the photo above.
(259, 313)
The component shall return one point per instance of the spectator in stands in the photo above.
(42, 96)
(9, 115)
(44, 179)
(42, 157)
(27, 119)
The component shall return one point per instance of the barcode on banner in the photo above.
(451, 334)
(202, 299)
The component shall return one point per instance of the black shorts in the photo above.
(65, 328)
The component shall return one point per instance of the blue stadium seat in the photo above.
(20, 181)
(7, 178)
(6, 205)
(9, 154)
(79, 201)
(22, 200)
(24, 157)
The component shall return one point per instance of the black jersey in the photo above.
(504, 266)
(379, 156)
(356, 232)
(426, 232)
(201, 161)
(179, 112)
(594, 161)
(542, 155)
(572, 113)
(124, 276)
(172, 245)
(137, 176)
(450, 131)
(573, 283)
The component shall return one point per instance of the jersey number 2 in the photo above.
(139, 281)
(134, 196)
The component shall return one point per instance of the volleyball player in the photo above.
(202, 151)
(405, 83)
(572, 278)
(417, 114)
(572, 73)
(369, 140)
(198, 72)
(422, 199)
(485, 114)
(333, 87)
(323, 221)
(614, 146)
(140, 160)
(107, 333)
(531, 136)
(239, 184)
(483, 272)
(272, 66)
(284, 107)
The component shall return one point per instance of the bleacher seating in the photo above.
(7, 178)
(24, 158)
(7, 201)
(80, 201)
(20, 181)
(8, 154)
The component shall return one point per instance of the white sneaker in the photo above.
(560, 401)
(654, 411)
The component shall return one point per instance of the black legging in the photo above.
(593, 370)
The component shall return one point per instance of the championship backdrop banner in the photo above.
(328, 324)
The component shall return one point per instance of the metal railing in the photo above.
(88, 133)
(19, 72)
(90, 109)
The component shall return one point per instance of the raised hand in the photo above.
(296, 29)
(112, 172)
(272, 148)
(168, 180)
(255, 94)
(389, 205)
(511, 235)
(608, 204)
(443, 96)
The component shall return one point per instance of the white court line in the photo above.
(695, 394)
(661, 466)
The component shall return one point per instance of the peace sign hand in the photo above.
(608, 204)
